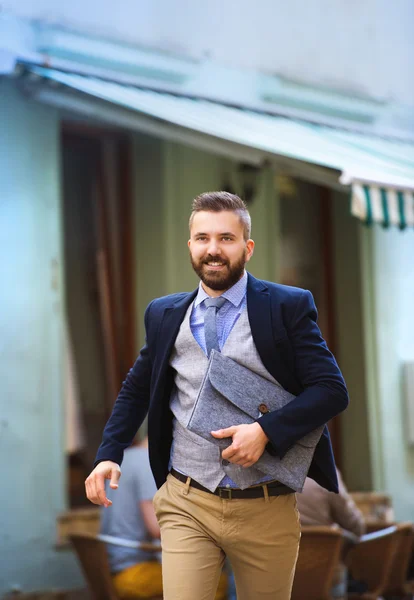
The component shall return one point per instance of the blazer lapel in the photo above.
(270, 350)
(170, 325)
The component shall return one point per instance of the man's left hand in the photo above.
(249, 442)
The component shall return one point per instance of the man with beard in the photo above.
(269, 328)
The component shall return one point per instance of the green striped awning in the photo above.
(386, 206)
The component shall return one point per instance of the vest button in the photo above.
(225, 462)
(263, 409)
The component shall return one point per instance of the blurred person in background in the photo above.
(317, 506)
(136, 573)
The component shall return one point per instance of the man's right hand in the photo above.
(95, 483)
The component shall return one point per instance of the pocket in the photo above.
(297, 515)
(156, 498)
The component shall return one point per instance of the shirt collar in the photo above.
(235, 294)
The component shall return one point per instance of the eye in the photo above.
(227, 238)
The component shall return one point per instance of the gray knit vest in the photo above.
(191, 454)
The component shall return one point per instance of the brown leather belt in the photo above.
(274, 488)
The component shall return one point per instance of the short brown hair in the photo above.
(219, 201)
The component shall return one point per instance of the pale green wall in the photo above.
(390, 327)
(187, 173)
(31, 407)
(265, 214)
(375, 321)
(351, 346)
(167, 178)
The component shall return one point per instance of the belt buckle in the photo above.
(225, 491)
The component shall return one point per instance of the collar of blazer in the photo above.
(269, 333)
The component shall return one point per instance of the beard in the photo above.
(219, 281)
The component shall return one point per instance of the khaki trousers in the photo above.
(198, 530)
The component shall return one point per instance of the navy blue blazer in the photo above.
(288, 340)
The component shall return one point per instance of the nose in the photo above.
(214, 248)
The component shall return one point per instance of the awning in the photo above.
(387, 206)
(380, 172)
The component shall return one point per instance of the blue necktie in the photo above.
(210, 323)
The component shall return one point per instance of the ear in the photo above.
(249, 249)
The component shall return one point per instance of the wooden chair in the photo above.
(77, 520)
(397, 580)
(92, 555)
(370, 561)
(319, 556)
(376, 507)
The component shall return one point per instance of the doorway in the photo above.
(99, 285)
(307, 250)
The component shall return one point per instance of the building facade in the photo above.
(96, 190)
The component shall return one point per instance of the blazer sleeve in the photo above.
(324, 392)
(130, 408)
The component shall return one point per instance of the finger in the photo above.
(91, 490)
(115, 475)
(224, 433)
(230, 452)
(237, 459)
(100, 491)
(87, 489)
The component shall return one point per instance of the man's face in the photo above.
(218, 250)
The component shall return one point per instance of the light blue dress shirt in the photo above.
(227, 316)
